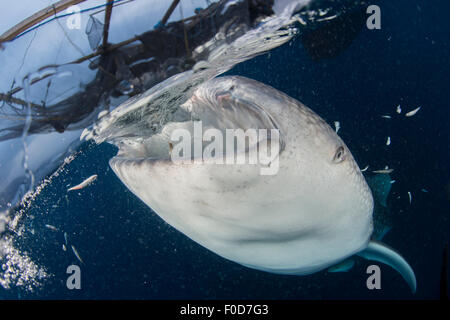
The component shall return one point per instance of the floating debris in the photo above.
(399, 109)
(125, 87)
(383, 171)
(388, 142)
(337, 125)
(386, 116)
(413, 112)
(75, 252)
(425, 190)
(365, 169)
(392, 181)
(410, 197)
(85, 183)
(65, 238)
(49, 226)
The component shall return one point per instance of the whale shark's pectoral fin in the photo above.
(343, 266)
(378, 251)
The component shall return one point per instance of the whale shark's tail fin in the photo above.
(378, 251)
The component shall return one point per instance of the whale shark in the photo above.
(315, 212)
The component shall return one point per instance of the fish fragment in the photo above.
(49, 226)
(412, 112)
(75, 252)
(84, 184)
(384, 171)
(337, 125)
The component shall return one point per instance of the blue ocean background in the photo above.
(128, 252)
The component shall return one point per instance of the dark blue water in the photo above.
(129, 252)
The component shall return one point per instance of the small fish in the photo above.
(425, 190)
(393, 181)
(102, 113)
(337, 125)
(410, 197)
(51, 227)
(399, 109)
(413, 112)
(64, 247)
(301, 20)
(386, 116)
(327, 18)
(384, 171)
(365, 169)
(322, 12)
(65, 238)
(388, 142)
(75, 252)
(85, 183)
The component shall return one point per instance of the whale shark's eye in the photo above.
(339, 156)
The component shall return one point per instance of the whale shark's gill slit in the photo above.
(264, 115)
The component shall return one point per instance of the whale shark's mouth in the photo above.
(214, 108)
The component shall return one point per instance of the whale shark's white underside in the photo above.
(315, 212)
